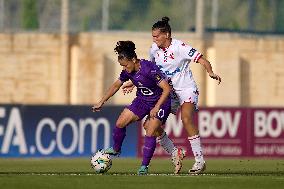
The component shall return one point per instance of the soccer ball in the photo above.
(101, 162)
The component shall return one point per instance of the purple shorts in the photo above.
(141, 108)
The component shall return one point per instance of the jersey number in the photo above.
(145, 91)
(191, 52)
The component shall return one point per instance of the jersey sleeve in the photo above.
(189, 53)
(123, 76)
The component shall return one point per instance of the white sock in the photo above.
(196, 148)
(166, 143)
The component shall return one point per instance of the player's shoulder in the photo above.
(123, 73)
(147, 65)
(178, 43)
(154, 47)
(124, 76)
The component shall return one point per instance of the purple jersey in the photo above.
(146, 80)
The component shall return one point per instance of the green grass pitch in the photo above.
(76, 173)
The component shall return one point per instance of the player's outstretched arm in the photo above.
(110, 92)
(209, 69)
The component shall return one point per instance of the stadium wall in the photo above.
(251, 67)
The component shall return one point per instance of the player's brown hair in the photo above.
(163, 25)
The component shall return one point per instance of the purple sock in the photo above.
(118, 137)
(148, 149)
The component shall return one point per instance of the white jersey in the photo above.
(174, 62)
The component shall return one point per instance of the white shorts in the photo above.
(180, 97)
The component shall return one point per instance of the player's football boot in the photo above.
(111, 151)
(198, 167)
(143, 170)
(177, 158)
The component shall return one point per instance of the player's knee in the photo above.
(156, 133)
(120, 124)
(150, 133)
(159, 132)
(145, 126)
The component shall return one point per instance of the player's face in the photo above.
(159, 38)
(128, 65)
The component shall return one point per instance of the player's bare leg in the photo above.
(187, 111)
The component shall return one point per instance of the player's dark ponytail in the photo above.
(166, 19)
(163, 25)
(125, 49)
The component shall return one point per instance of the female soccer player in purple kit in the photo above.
(152, 99)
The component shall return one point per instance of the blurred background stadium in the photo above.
(61, 52)
(57, 59)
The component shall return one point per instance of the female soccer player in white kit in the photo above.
(173, 57)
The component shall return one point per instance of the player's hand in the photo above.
(216, 77)
(97, 107)
(127, 88)
(154, 112)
